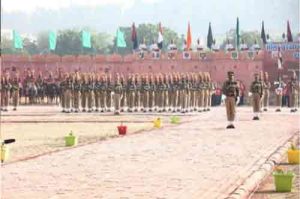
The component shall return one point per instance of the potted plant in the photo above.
(122, 129)
(175, 119)
(157, 123)
(283, 180)
(71, 140)
(293, 155)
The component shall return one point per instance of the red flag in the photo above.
(134, 37)
(289, 33)
(189, 37)
(279, 59)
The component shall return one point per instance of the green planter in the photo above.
(283, 181)
(175, 120)
(71, 140)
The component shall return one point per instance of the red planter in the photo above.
(122, 130)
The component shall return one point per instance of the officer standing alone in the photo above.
(231, 91)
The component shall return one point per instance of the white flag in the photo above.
(160, 38)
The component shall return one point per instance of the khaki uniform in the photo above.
(161, 94)
(84, 95)
(257, 92)
(15, 93)
(117, 97)
(131, 87)
(194, 99)
(200, 91)
(103, 88)
(62, 87)
(165, 102)
(206, 96)
(152, 96)
(90, 96)
(184, 88)
(189, 96)
(109, 97)
(174, 95)
(211, 92)
(137, 98)
(76, 95)
(293, 87)
(157, 95)
(266, 94)
(124, 97)
(231, 90)
(97, 95)
(67, 93)
(279, 86)
(145, 90)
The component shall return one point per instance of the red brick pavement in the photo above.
(200, 159)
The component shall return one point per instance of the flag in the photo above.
(18, 42)
(189, 37)
(279, 60)
(237, 34)
(86, 39)
(134, 37)
(210, 39)
(52, 40)
(121, 43)
(160, 37)
(263, 34)
(289, 33)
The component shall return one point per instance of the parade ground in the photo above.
(197, 158)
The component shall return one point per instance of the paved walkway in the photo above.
(200, 159)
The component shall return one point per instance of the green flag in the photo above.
(210, 39)
(52, 40)
(18, 43)
(120, 39)
(86, 39)
(237, 34)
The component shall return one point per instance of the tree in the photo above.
(249, 37)
(6, 45)
(42, 42)
(30, 46)
(68, 42)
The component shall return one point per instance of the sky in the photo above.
(32, 16)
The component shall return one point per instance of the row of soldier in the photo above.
(89, 91)
(198, 98)
(161, 92)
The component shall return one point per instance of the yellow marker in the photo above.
(157, 123)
